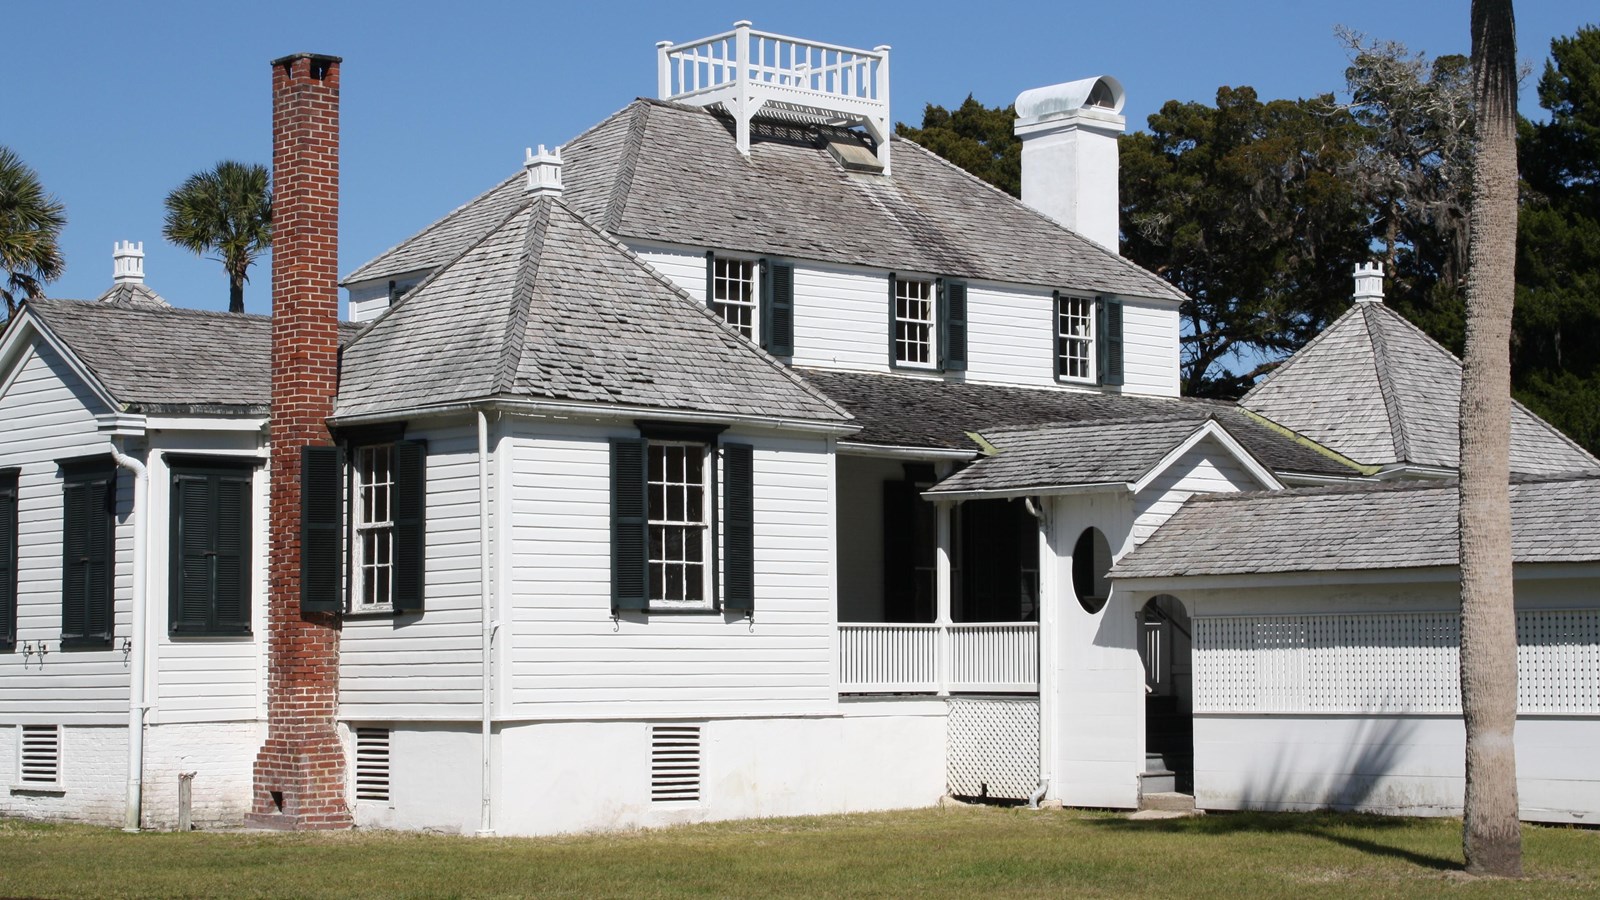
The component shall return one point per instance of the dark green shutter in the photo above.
(711, 280)
(893, 349)
(1109, 319)
(88, 523)
(777, 308)
(739, 515)
(410, 503)
(953, 326)
(192, 554)
(630, 527)
(8, 560)
(231, 578)
(321, 530)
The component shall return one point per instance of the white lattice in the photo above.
(1385, 662)
(994, 747)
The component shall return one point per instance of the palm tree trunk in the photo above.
(235, 293)
(1492, 834)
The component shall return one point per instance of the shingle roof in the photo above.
(1375, 388)
(546, 306)
(133, 294)
(659, 171)
(898, 411)
(166, 360)
(1078, 454)
(1387, 526)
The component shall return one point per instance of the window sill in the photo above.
(222, 637)
(49, 790)
(372, 612)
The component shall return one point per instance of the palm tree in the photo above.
(1491, 832)
(226, 210)
(30, 231)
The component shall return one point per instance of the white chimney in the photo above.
(1069, 138)
(544, 172)
(1369, 283)
(127, 262)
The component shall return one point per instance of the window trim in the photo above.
(224, 466)
(755, 304)
(710, 563)
(933, 323)
(91, 469)
(354, 581)
(1091, 339)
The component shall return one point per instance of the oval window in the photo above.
(1091, 562)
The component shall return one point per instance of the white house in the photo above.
(733, 458)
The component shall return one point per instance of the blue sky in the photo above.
(115, 104)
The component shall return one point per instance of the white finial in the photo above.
(1369, 283)
(127, 262)
(544, 172)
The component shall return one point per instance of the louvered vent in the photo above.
(41, 754)
(674, 763)
(372, 764)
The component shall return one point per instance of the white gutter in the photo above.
(562, 409)
(886, 451)
(486, 816)
(137, 701)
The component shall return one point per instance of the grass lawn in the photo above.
(958, 852)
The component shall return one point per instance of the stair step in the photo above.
(1171, 801)
(1159, 782)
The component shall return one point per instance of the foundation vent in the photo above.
(372, 764)
(41, 755)
(674, 763)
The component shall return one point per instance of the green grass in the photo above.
(957, 852)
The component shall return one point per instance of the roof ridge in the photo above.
(169, 309)
(1172, 289)
(515, 337)
(1392, 407)
(622, 184)
(704, 311)
(438, 272)
(428, 228)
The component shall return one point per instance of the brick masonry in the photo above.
(299, 775)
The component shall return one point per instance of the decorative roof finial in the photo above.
(544, 172)
(127, 262)
(1369, 283)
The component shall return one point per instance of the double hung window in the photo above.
(380, 543)
(1075, 339)
(914, 323)
(678, 524)
(755, 297)
(927, 323)
(372, 550)
(733, 294)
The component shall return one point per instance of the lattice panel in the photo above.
(1385, 662)
(994, 747)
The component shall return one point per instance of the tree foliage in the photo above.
(30, 232)
(975, 137)
(226, 210)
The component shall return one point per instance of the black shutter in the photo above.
(209, 591)
(899, 551)
(88, 532)
(953, 326)
(630, 528)
(8, 559)
(711, 280)
(1056, 341)
(321, 530)
(893, 347)
(1109, 319)
(231, 582)
(777, 308)
(409, 506)
(739, 514)
(191, 598)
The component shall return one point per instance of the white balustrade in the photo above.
(885, 658)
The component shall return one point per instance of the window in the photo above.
(1075, 339)
(209, 587)
(385, 545)
(733, 294)
(88, 543)
(678, 525)
(668, 535)
(1091, 566)
(372, 567)
(1088, 336)
(913, 322)
(8, 559)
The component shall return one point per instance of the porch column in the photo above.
(942, 568)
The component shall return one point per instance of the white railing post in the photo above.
(741, 78)
(663, 70)
(883, 98)
(942, 591)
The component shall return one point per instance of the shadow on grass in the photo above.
(1329, 826)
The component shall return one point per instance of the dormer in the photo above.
(745, 73)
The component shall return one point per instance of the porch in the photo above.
(943, 659)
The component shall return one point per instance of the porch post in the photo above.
(942, 567)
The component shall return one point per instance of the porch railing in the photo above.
(895, 658)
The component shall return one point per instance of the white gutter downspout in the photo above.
(486, 590)
(1047, 626)
(136, 658)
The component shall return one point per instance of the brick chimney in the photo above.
(299, 780)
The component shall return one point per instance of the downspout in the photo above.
(1046, 634)
(136, 658)
(485, 570)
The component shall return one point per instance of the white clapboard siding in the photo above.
(48, 415)
(569, 658)
(429, 667)
(1149, 348)
(1206, 469)
(684, 268)
(841, 317)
